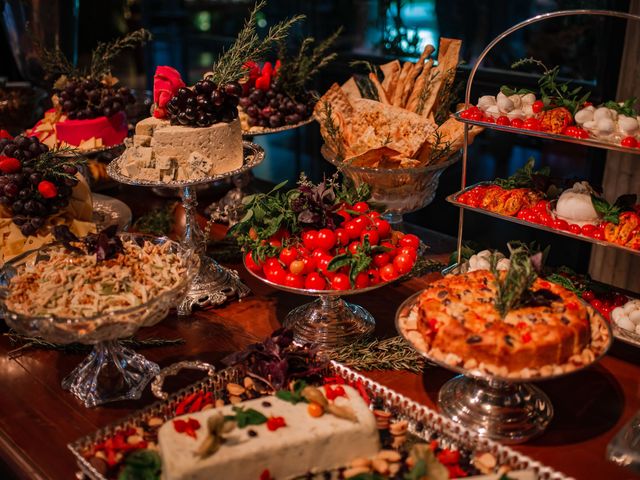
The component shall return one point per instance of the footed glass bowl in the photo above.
(396, 190)
(110, 372)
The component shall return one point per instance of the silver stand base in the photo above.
(110, 373)
(507, 412)
(329, 322)
(213, 285)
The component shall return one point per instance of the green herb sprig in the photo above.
(611, 212)
(553, 92)
(356, 262)
(248, 46)
(511, 288)
(524, 177)
(157, 222)
(388, 354)
(627, 108)
(141, 465)
(246, 416)
(293, 396)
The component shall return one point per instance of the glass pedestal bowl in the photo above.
(396, 191)
(111, 372)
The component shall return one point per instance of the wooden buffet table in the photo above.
(38, 419)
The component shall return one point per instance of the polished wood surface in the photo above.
(38, 419)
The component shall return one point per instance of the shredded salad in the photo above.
(76, 286)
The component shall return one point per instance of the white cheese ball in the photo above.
(584, 115)
(617, 313)
(503, 264)
(528, 99)
(605, 125)
(528, 110)
(625, 323)
(493, 111)
(603, 112)
(486, 101)
(635, 317)
(638, 329)
(590, 125)
(631, 305)
(504, 104)
(627, 125)
(516, 100)
(516, 114)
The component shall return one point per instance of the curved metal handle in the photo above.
(488, 48)
(158, 381)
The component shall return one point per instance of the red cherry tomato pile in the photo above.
(604, 302)
(363, 251)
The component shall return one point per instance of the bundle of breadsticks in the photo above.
(397, 116)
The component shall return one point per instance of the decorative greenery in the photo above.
(553, 93)
(141, 465)
(525, 177)
(298, 70)
(35, 342)
(333, 131)
(523, 271)
(426, 90)
(449, 94)
(440, 151)
(389, 354)
(627, 108)
(54, 162)
(246, 416)
(611, 213)
(293, 396)
(248, 46)
(56, 64)
(157, 222)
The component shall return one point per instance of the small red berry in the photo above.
(9, 164)
(47, 189)
(630, 142)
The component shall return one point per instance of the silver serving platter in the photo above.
(625, 335)
(253, 155)
(453, 199)
(258, 131)
(91, 152)
(423, 423)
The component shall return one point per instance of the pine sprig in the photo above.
(440, 150)
(307, 63)
(55, 63)
(388, 354)
(53, 162)
(333, 131)
(104, 53)
(248, 46)
(426, 90)
(512, 286)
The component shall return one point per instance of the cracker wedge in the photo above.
(372, 158)
(350, 88)
(390, 70)
(399, 88)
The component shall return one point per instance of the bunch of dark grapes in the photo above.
(31, 190)
(205, 105)
(273, 108)
(86, 98)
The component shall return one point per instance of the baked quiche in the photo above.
(457, 315)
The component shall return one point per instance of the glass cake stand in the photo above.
(111, 372)
(508, 409)
(226, 210)
(397, 191)
(214, 284)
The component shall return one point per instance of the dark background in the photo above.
(189, 34)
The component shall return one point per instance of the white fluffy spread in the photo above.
(160, 151)
(305, 444)
(575, 205)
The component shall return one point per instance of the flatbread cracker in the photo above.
(389, 70)
(372, 158)
(350, 88)
(382, 95)
(425, 77)
(399, 89)
(448, 58)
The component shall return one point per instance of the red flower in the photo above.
(263, 82)
(47, 189)
(9, 164)
(166, 83)
(267, 69)
(274, 423)
(189, 426)
(333, 392)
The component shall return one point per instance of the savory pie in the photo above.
(457, 315)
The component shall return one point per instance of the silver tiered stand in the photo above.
(214, 284)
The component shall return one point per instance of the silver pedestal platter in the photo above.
(226, 210)
(509, 409)
(111, 372)
(214, 284)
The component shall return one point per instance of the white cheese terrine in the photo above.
(160, 151)
(305, 444)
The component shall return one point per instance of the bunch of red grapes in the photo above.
(273, 108)
(30, 190)
(205, 104)
(86, 98)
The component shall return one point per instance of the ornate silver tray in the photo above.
(258, 131)
(423, 423)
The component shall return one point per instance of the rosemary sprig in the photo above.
(53, 162)
(449, 93)
(512, 287)
(440, 151)
(248, 46)
(371, 67)
(306, 64)
(426, 90)
(388, 354)
(35, 342)
(157, 222)
(333, 131)
(104, 53)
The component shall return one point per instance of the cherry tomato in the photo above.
(537, 106)
(489, 119)
(322, 265)
(588, 229)
(620, 299)
(596, 303)
(383, 227)
(342, 237)
(293, 280)
(466, 113)
(388, 273)
(271, 263)
(309, 239)
(274, 242)
(344, 214)
(408, 251)
(297, 267)
(477, 116)
(353, 247)
(403, 263)
(577, 132)
(319, 253)
(588, 295)
(288, 255)
(360, 207)
(531, 124)
(372, 235)
(381, 259)
(560, 224)
(340, 282)
(517, 123)
(251, 264)
(276, 275)
(522, 213)
(326, 239)
(630, 142)
(355, 227)
(362, 280)
(309, 265)
(373, 214)
(410, 240)
(573, 228)
(391, 249)
(541, 207)
(598, 234)
(503, 120)
(315, 281)
(374, 276)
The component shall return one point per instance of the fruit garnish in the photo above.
(105, 244)
(166, 82)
